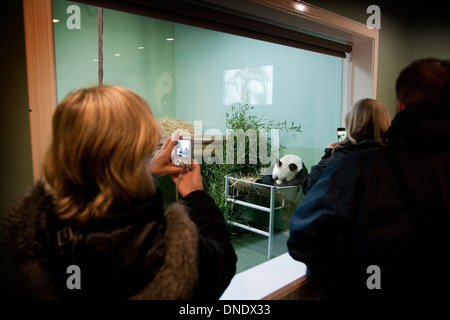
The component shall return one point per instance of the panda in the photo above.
(290, 170)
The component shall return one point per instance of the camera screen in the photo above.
(341, 135)
(183, 149)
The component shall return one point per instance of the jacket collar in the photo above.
(422, 125)
(362, 142)
(138, 213)
(119, 216)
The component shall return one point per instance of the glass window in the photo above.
(197, 75)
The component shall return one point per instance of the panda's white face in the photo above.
(286, 169)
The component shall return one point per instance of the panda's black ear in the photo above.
(293, 167)
(279, 163)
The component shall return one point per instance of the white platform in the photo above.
(261, 280)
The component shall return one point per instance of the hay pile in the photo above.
(243, 185)
(169, 126)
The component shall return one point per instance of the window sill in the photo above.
(273, 279)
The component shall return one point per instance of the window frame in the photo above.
(360, 71)
(359, 76)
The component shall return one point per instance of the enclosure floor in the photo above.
(251, 248)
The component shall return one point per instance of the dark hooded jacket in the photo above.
(376, 224)
(144, 252)
(330, 154)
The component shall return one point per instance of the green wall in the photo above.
(185, 77)
(136, 54)
(75, 49)
(307, 86)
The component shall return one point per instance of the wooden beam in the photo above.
(287, 289)
(41, 77)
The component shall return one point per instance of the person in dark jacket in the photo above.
(375, 226)
(96, 227)
(366, 123)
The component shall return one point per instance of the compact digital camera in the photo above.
(182, 152)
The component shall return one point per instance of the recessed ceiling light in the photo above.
(117, 54)
(140, 48)
(300, 7)
(55, 20)
(170, 39)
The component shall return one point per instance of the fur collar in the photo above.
(179, 272)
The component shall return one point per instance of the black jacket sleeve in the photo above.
(217, 258)
(316, 171)
(316, 227)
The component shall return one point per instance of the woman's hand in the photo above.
(160, 164)
(190, 181)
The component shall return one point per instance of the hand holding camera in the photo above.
(190, 181)
(181, 156)
(161, 162)
(175, 158)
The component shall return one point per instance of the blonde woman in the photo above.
(366, 123)
(101, 211)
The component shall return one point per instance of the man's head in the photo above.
(424, 81)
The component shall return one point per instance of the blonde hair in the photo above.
(366, 117)
(103, 139)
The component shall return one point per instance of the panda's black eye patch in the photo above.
(292, 167)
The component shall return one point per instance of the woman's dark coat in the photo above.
(183, 252)
(333, 154)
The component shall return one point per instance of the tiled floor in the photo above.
(252, 248)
